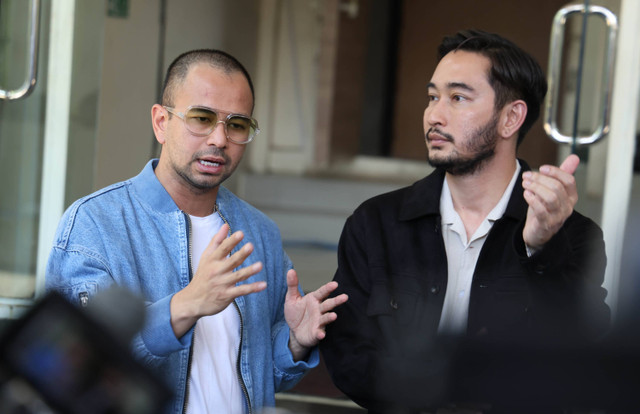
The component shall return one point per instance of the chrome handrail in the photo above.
(553, 77)
(32, 67)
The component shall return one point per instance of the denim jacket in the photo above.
(134, 235)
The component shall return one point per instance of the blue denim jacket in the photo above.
(133, 234)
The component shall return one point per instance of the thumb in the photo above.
(570, 164)
(292, 284)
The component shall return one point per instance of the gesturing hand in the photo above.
(551, 194)
(213, 287)
(308, 315)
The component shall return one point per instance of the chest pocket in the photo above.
(398, 303)
(501, 307)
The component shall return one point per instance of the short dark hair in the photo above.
(179, 68)
(514, 73)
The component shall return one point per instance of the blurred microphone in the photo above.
(119, 311)
(59, 358)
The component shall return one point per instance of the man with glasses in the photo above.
(482, 248)
(226, 324)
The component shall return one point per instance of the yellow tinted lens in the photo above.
(200, 120)
(239, 128)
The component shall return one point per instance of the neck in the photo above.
(191, 200)
(475, 195)
(200, 205)
(481, 190)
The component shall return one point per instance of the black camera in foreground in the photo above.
(58, 358)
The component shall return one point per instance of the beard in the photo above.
(481, 147)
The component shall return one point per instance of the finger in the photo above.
(325, 290)
(237, 258)
(535, 203)
(247, 289)
(332, 303)
(326, 319)
(549, 173)
(547, 190)
(218, 263)
(292, 285)
(224, 247)
(233, 277)
(247, 272)
(220, 236)
(552, 192)
(564, 174)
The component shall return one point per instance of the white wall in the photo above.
(127, 92)
(129, 84)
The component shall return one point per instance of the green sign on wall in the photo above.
(118, 8)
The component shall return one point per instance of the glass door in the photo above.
(21, 143)
(592, 107)
(38, 126)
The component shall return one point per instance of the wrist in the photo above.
(298, 351)
(183, 316)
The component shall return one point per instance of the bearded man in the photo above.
(481, 248)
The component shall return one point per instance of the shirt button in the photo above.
(435, 289)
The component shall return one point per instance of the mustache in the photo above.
(443, 134)
(212, 152)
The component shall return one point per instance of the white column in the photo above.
(56, 130)
(626, 93)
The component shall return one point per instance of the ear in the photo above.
(159, 119)
(513, 115)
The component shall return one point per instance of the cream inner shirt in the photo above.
(462, 255)
(214, 386)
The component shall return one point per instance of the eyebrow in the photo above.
(453, 85)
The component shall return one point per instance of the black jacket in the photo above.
(383, 350)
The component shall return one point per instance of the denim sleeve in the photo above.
(157, 339)
(79, 273)
(287, 372)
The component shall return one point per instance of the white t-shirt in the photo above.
(214, 386)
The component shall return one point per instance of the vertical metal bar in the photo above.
(31, 76)
(576, 109)
(56, 132)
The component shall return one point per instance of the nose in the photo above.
(218, 136)
(434, 114)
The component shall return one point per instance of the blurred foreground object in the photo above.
(62, 359)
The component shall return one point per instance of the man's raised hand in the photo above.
(551, 194)
(213, 286)
(308, 315)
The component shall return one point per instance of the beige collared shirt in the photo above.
(462, 255)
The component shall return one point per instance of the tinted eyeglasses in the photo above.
(202, 121)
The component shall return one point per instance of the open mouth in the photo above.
(209, 163)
